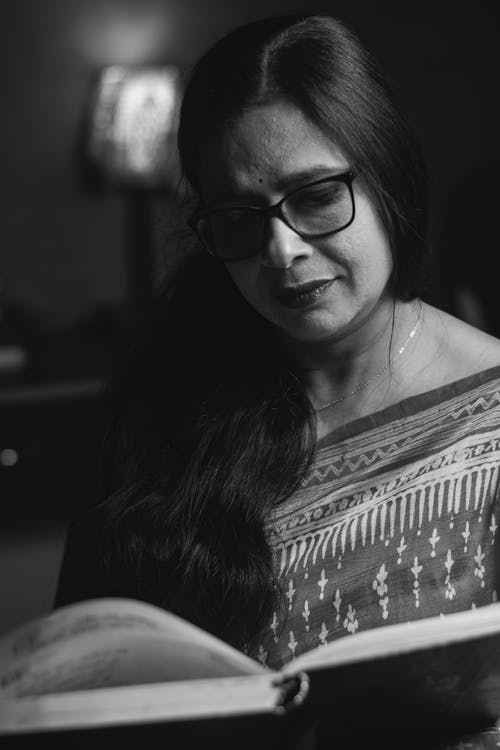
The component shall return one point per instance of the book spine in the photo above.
(293, 691)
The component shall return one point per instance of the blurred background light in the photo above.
(134, 125)
(8, 457)
(122, 33)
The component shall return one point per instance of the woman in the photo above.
(300, 447)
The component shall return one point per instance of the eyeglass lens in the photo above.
(318, 209)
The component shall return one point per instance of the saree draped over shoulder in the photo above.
(396, 520)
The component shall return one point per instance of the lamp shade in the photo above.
(134, 124)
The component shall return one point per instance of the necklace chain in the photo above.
(388, 366)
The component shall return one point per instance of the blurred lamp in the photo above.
(132, 148)
(134, 124)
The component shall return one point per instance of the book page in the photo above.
(401, 638)
(142, 703)
(111, 642)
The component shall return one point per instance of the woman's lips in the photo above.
(302, 295)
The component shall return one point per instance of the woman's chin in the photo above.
(314, 331)
(328, 325)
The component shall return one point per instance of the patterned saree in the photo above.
(396, 520)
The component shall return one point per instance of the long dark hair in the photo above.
(208, 428)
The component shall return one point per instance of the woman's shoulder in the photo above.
(458, 350)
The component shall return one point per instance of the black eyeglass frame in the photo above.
(346, 178)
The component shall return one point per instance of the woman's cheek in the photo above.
(245, 278)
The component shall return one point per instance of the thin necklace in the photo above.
(388, 366)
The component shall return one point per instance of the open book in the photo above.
(125, 666)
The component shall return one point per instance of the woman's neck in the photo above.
(354, 372)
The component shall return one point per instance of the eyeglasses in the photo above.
(318, 209)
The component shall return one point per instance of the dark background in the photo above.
(67, 267)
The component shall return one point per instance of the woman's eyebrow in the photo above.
(309, 174)
(283, 184)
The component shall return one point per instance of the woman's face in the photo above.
(257, 159)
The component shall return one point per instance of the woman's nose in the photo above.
(282, 246)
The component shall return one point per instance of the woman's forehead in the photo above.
(271, 146)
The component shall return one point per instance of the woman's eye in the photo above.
(232, 219)
(323, 195)
(235, 217)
